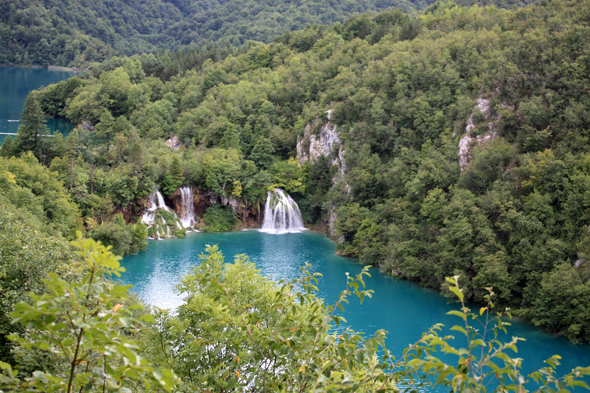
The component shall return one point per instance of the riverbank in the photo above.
(15, 85)
(50, 68)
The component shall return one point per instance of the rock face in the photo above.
(132, 211)
(467, 142)
(311, 147)
(319, 145)
(249, 215)
(323, 144)
(173, 143)
(87, 125)
(331, 229)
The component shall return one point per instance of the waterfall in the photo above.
(161, 204)
(160, 226)
(150, 214)
(152, 202)
(156, 202)
(187, 214)
(281, 214)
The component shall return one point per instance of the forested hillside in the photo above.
(462, 143)
(75, 32)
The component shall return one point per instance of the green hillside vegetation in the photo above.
(401, 89)
(35, 214)
(77, 32)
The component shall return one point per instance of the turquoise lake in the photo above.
(15, 85)
(402, 308)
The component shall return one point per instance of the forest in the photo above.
(75, 33)
(403, 90)
(460, 150)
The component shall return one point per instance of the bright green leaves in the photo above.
(86, 326)
(98, 257)
(485, 361)
(288, 175)
(238, 329)
(454, 287)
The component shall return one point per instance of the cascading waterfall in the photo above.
(161, 204)
(158, 227)
(156, 202)
(281, 214)
(187, 214)
(150, 214)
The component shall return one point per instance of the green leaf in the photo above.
(459, 314)
(458, 292)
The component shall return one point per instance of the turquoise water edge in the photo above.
(15, 85)
(402, 308)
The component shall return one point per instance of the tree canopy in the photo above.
(462, 142)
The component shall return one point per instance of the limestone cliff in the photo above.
(467, 141)
(325, 143)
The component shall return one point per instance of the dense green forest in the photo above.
(76, 32)
(460, 149)
(66, 325)
(402, 90)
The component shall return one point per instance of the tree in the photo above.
(41, 193)
(486, 360)
(219, 219)
(121, 144)
(86, 326)
(288, 175)
(71, 156)
(222, 168)
(103, 131)
(173, 177)
(262, 153)
(8, 147)
(562, 303)
(32, 126)
(29, 251)
(231, 138)
(140, 234)
(238, 330)
(115, 234)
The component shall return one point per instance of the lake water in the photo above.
(15, 85)
(402, 308)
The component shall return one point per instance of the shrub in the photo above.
(219, 219)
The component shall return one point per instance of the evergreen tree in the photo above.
(173, 178)
(262, 153)
(8, 147)
(230, 139)
(71, 155)
(32, 126)
(104, 130)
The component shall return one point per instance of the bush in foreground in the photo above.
(239, 331)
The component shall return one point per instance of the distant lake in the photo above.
(15, 85)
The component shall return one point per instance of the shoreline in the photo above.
(50, 68)
(514, 317)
